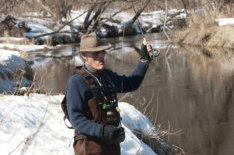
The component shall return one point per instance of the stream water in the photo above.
(188, 93)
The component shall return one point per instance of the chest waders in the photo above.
(101, 109)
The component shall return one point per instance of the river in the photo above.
(188, 92)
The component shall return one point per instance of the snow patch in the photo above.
(10, 63)
(38, 118)
(225, 21)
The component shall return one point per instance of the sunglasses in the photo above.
(95, 54)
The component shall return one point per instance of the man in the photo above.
(91, 98)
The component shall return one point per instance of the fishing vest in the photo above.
(103, 107)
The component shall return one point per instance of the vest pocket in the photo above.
(93, 108)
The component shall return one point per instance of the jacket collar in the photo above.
(92, 70)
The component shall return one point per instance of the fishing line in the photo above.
(153, 53)
(142, 34)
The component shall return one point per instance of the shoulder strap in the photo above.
(64, 108)
(88, 79)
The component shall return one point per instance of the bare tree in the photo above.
(8, 5)
(57, 8)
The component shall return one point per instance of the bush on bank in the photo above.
(204, 30)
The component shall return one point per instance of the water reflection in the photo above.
(189, 92)
(186, 89)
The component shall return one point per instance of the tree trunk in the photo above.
(95, 16)
(138, 13)
(85, 24)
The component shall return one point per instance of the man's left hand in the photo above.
(145, 51)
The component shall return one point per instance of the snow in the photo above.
(225, 21)
(34, 125)
(135, 120)
(5, 39)
(26, 48)
(6, 54)
(10, 63)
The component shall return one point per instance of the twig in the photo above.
(45, 7)
(157, 108)
(168, 28)
(107, 19)
(104, 1)
(167, 51)
(177, 147)
(147, 105)
(32, 85)
(125, 95)
(165, 21)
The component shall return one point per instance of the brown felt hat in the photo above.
(92, 43)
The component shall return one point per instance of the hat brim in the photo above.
(96, 49)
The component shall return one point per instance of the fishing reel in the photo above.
(154, 53)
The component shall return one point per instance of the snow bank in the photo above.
(34, 125)
(134, 119)
(25, 48)
(10, 63)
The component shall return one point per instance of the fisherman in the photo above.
(91, 97)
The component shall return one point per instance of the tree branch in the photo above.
(85, 24)
(138, 13)
(45, 7)
(58, 31)
(165, 21)
(97, 19)
(107, 19)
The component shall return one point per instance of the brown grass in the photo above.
(202, 30)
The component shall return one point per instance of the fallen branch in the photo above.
(58, 31)
(154, 142)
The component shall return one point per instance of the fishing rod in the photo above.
(154, 52)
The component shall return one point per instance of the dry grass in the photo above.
(202, 30)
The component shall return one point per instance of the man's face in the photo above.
(95, 59)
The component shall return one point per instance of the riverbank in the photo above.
(196, 29)
(34, 28)
(207, 35)
(207, 30)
